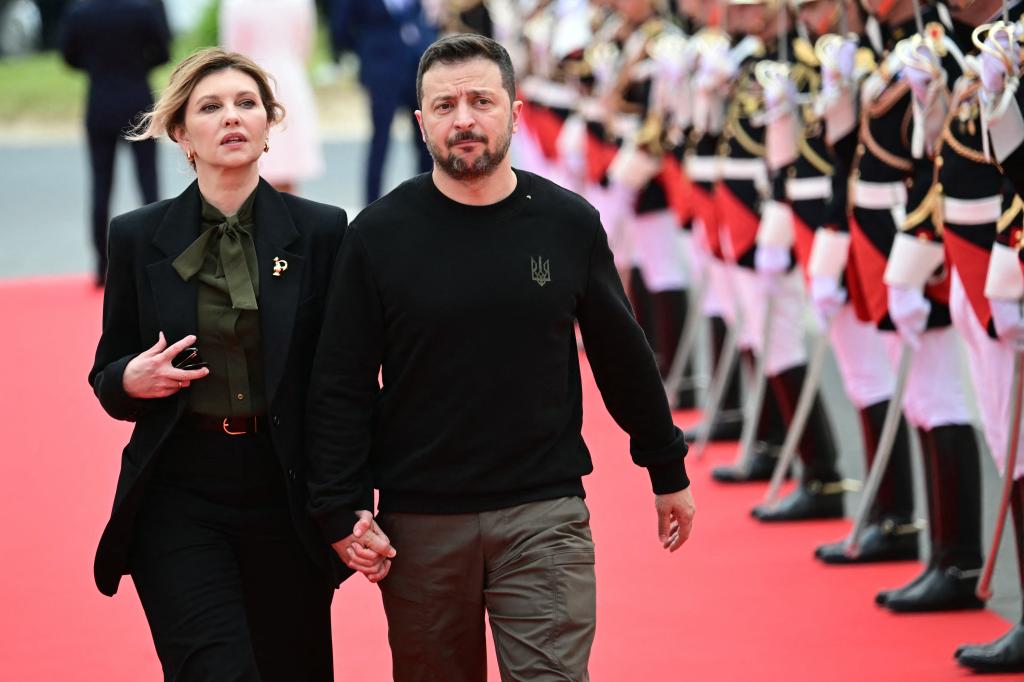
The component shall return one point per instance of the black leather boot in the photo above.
(771, 431)
(729, 422)
(953, 481)
(891, 534)
(670, 309)
(1006, 654)
(820, 493)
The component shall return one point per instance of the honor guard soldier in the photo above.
(892, 238)
(776, 292)
(551, 32)
(709, 91)
(643, 227)
(723, 68)
(996, 110)
(816, 187)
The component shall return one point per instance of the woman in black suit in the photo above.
(209, 515)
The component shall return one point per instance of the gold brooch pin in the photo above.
(280, 265)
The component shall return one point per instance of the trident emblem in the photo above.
(541, 270)
(280, 265)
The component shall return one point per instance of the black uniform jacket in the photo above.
(145, 295)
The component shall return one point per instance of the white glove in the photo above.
(779, 94)
(770, 263)
(996, 58)
(837, 69)
(827, 298)
(909, 311)
(770, 259)
(1008, 318)
(715, 69)
(919, 76)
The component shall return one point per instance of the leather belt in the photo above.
(805, 189)
(879, 195)
(233, 426)
(972, 211)
(745, 169)
(702, 168)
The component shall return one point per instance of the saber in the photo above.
(716, 392)
(851, 545)
(745, 456)
(796, 427)
(918, 20)
(687, 345)
(984, 590)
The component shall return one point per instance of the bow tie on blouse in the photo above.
(229, 240)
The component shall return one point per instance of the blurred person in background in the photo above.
(117, 43)
(388, 36)
(460, 16)
(210, 317)
(279, 35)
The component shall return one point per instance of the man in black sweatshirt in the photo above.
(462, 287)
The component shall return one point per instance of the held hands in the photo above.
(150, 374)
(909, 311)
(675, 518)
(367, 549)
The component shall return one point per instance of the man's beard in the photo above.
(456, 167)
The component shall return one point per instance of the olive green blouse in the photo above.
(223, 260)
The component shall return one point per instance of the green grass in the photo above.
(41, 89)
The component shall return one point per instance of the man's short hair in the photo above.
(462, 47)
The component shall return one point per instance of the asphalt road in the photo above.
(44, 231)
(44, 214)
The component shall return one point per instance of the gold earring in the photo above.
(266, 145)
(190, 156)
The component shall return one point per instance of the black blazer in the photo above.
(144, 295)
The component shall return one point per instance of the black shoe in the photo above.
(937, 589)
(1005, 655)
(813, 500)
(686, 399)
(879, 542)
(761, 467)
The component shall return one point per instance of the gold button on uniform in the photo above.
(240, 396)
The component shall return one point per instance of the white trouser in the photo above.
(615, 206)
(934, 395)
(859, 350)
(991, 364)
(655, 239)
(707, 270)
(786, 347)
(719, 301)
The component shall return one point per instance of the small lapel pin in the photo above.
(280, 265)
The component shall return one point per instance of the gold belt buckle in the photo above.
(224, 425)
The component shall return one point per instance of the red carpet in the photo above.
(741, 601)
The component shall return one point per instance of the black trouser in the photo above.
(385, 100)
(102, 146)
(229, 592)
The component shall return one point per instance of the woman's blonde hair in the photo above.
(169, 111)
